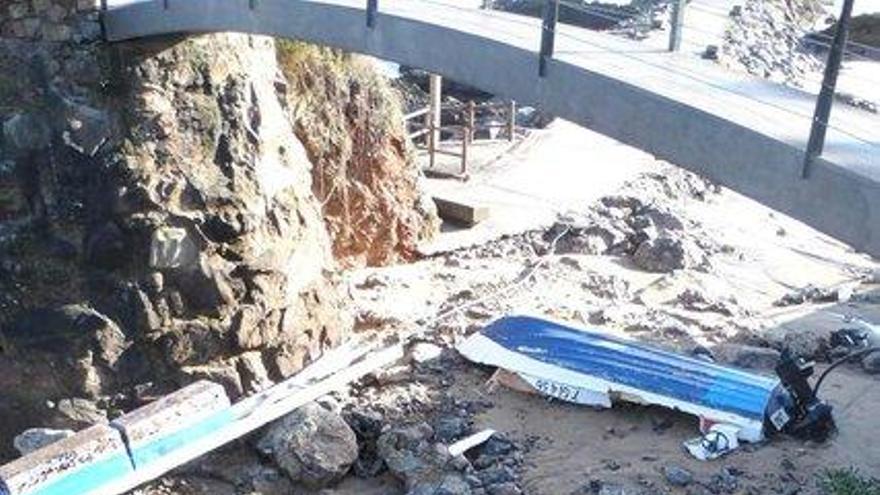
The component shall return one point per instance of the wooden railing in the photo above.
(429, 131)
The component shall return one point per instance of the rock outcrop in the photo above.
(157, 219)
(351, 123)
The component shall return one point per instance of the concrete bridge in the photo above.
(747, 134)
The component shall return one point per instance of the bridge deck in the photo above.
(746, 133)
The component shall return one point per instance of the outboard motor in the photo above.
(795, 409)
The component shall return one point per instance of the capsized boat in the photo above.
(593, 368)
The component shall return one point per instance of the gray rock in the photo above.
(661, 255)
(312, 445)
(252, 371)
(809, 293)
(367, 425)
(451, 428)
(496, 475)
(497, 445)
(504, 489)
(678, 476)
(808, 342)
(27, 132)
(424, 467)
(77, 414)
(18, 10)
(871, 363)
(725, 481)
(83, 345)
(617, 489)
(36, 438)
(86, 128)
(746, 356)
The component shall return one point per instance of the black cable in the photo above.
(835, 364)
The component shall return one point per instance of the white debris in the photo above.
(465, 444)
(423, 352)
(718, 441)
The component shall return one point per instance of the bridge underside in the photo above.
(746, 134)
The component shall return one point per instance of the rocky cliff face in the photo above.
(350, 121)
(157, 219)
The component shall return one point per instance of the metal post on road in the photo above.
(372, 10)
(548, 35)
(678, 8)
(826, 94)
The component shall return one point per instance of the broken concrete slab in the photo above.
(91, 458)
(460, 212)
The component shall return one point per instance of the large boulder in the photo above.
(313, 445)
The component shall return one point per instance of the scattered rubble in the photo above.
(810, 294)
(766, 39)
(424, 466)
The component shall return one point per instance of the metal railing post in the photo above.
(372, 10)
(548, 35)
(102, 14)
(464, 153)
(511, 120)
(432, 119)
(471, 121)
(826, 94)
(678, 8)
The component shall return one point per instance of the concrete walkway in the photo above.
(745, 133)
(558, 170)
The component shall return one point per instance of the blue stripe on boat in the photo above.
(87, 478)
(149, 451)
(635, 365)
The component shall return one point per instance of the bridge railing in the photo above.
(682, 32)
(836, 44)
